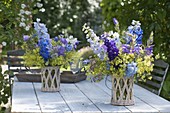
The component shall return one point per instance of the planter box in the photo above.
(66, 77)
(69, 77)
(24, 77)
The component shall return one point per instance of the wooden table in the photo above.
(81, 97)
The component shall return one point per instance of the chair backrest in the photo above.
(158, 76)
(15, 61)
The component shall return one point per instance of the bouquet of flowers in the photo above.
(120, 54)
(43, 51)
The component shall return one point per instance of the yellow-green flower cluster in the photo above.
(145, 65)
(33, 58)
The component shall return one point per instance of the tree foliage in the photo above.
(4, 89)
(68, 16)
(10, 19)
(153, 14)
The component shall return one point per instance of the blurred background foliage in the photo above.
(68, 16)
(5, 90)
(10, 31)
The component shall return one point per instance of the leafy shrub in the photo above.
(5, 90)
(68, 16)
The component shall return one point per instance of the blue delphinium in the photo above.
(69, 47)
(85, 62)
(56, 38)
(40, 29)
(136, 31)
(44, 41)
(131, 69)
(45, 46)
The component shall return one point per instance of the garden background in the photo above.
(68, 16)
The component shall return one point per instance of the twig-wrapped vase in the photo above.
(50, 79)
(122, 91)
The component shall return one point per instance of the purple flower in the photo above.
(77, 42)
(104, 36)
(56, 39)
(136, 49)
(112, 50)
(61, 50)
(126, 48)
(75, 45)
(149, 50)
(63, 40)
(26, 37)
(115, 21)
(104, 47)
(86, 61)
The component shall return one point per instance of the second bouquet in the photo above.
(50, 54)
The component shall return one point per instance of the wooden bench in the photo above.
(158, 76)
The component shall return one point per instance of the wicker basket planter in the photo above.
(50, 79)
(122, 91)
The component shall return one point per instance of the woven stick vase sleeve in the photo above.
(50, 79)
(122, 91)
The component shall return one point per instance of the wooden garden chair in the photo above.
(16, 65)
(158, 76)
(15, 62)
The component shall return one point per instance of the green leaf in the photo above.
(161, 14)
